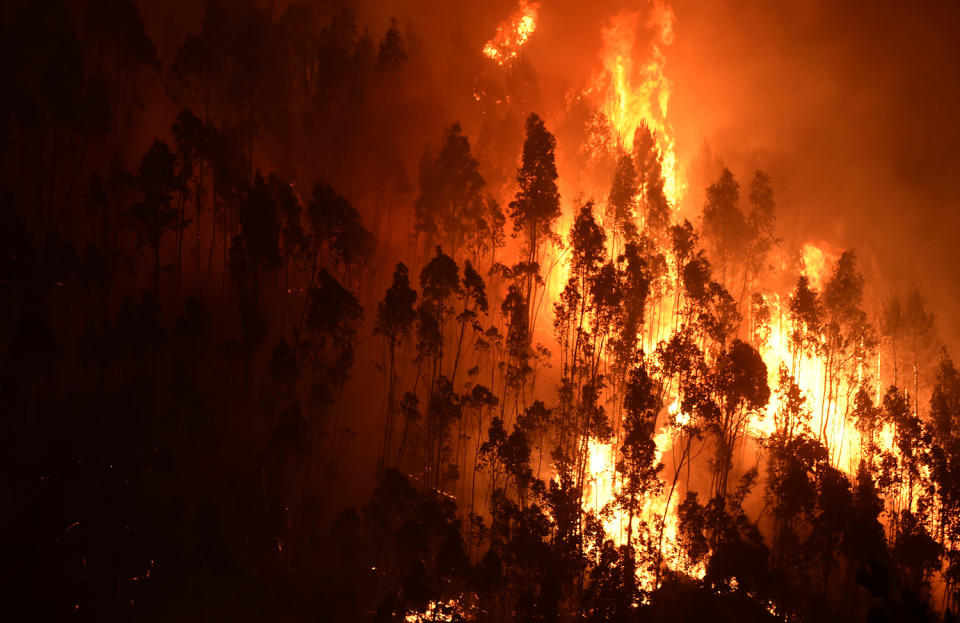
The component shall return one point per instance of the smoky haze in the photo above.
(851, 106)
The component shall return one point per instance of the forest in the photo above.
(299, 327)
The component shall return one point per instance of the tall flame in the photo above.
(512, 34)
(633, 94)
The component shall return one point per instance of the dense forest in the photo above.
(285, 340)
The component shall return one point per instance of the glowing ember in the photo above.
(444, 611)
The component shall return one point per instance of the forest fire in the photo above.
(318, 312)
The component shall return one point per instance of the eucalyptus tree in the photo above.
(724, 224)
(622, 205)
(805, 313)
(742, 393)
(649, 164)
(153, 215)
(395, 319)
(451, 205)
(536, 206)
(848, 338)
(255, 249)
(944, 468)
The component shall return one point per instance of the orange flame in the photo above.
(840, 433)
(815, 261)
(512, 34)
(636, 94)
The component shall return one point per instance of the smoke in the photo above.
(851, 108)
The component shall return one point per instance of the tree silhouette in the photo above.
(395, 318)
(474, 302)
(805, 316)
(330, 337)
(193, 138)
(724, 223)
(639, 464)
(537, 203)
(153, 215)
(649, 166)
(451, 201)
(339, 237)
(848, 338)
(623, 199)
(761, 225)
(392, 51)
(256, 247)
(741, 378)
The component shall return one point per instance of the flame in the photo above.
(840, 434)
(604, 486)
(512, 34)
(815, 261)
(826, 408)
(636, 94)
(445, 612)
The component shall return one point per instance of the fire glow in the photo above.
(512, 34)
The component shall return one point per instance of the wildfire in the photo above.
(628, 94)
(634, 94)
(512, 34)
(449, 610)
